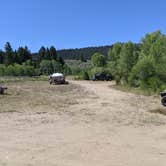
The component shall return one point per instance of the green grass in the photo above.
(126, 88)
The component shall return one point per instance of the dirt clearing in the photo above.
(80, 124)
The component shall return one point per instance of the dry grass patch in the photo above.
(39, 96)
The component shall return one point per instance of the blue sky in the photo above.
(78, 23)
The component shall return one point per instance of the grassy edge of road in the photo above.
(137, 91)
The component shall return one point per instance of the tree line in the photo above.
(141, 65)
(22, 62)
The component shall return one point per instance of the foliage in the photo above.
(82, 58)
(85, 75)
(50, 66)
(127, 59)
(9, 58)
(77, 67)
(1, 56)
(22, 55)
(17, 70)
(98, 60)
(140, 65)
(21, 62)
(75, 54)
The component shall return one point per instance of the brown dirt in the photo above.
(81, 124)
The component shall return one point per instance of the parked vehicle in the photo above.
(102, 77)
(57, 78)
(163, 98)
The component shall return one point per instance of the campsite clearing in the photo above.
(84, 123)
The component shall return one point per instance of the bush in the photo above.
(50, 66)
(17, 70)
(85, 75)
(154, 83)
(144, 69)
(2, 70)
(98, 60)
(29, 71)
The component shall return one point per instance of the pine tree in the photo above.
(47, 55)
(53, 53)
(9, 58)
(41, 55)
(1, 56)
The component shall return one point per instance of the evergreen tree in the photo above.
(16, 58)
(27, 55)
(41, 55)
(23, 54)
(9, 59)
(47, 55)
(1, 56)
(53, 53)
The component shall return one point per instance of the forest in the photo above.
(77, 53)
(22, 62)
(141, 65)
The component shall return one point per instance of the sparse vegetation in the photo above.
(34, 95)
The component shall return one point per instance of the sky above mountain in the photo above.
(78, 23)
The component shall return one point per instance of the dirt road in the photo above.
(103, 127)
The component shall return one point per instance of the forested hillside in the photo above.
(87, 52)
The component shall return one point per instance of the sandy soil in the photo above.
(90, 124)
